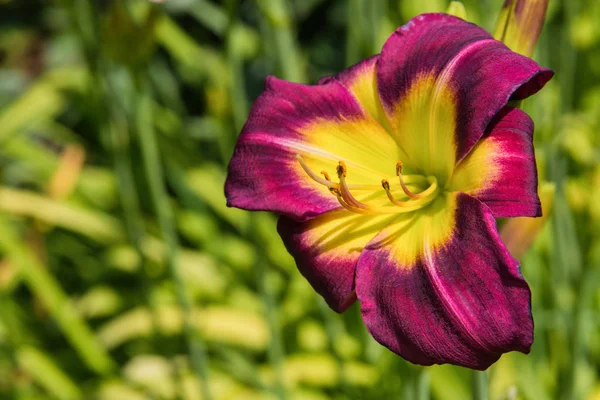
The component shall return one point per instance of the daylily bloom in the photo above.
(388, 177)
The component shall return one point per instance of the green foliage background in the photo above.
(117, 119)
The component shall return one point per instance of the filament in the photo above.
(314, 176)
(405, 188)
(346, 195)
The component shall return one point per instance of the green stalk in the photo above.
(47, 373)
(47, 289)
(568, 59)
(376, 12)
(422, 384)
(117, 129)
(286, 45)
(355, 35)
(275, 351)
(332, 328)
(480, 385)
(237, 90)
(154, 176)
(235, 40)
(127, 191)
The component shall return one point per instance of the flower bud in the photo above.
(457, 9)
(519, 233)
(520, 24)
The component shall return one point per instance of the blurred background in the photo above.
(123, 275)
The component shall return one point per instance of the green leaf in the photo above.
(47, 374)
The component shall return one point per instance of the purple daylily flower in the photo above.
(418, 248)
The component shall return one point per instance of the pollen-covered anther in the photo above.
(385, 184)
(398, 168)
(334, 190)
(341, 169)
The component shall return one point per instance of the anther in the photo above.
(386, 187)
(334, 190)
(341, 169)
(398, 168)
(385, 184)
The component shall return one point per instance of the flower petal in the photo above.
(462, 301)
(441, 81)
(500, 171)
(324, 124)
(327, 248)
(361, 80)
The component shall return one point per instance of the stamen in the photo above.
(334, 190)
(385, 184)
(351, 208)
(341, 169)
(413, 206)
(386, 187)
(406, 189)
(398, 168)
(433, 187)
(408, 179)
(315, 177)
(343, 185)
(342, 190)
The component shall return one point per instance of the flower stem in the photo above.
(354, 35)
(48, 290)
(422, 385)
(154, 175)
(281, 24)
(333, 328)
(275, 352)
(480, 385)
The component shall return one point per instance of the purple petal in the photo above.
(500, 171)
(327, 248)
(324, 124)
(462, 302)
(481, 73)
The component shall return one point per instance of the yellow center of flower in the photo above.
(344, 191)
